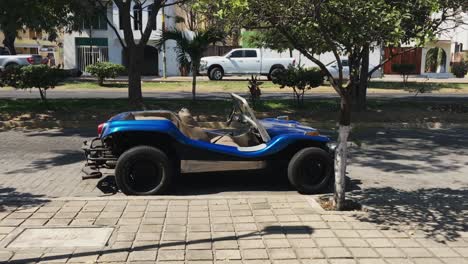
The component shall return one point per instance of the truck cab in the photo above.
(242, 62)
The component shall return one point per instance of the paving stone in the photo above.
(399, 261)
(370, 233)
(227, 254)
(307, 253)
(379, 242)
(302, 242)
(254, 254)
(281, 253)
(371, 261)
(444, 252)
(277, 243)
(427, 261)
(462, 251)
(171, 255)
(114, 256)
(354, 242)
(226, 244)
(405, 242)
(328, 242)
(251, 243)
(34, 222)
(417, 252)
(390, 252)
(336, 252)
(346, 233)
(199, 254)
(363, 252)
(455, 260)
(5, 256)
(342, 261)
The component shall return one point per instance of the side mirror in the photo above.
(228, 56)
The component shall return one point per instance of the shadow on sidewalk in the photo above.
(438, 213)
(11, 199)
(274, 229)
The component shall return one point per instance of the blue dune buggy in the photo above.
(149, 149)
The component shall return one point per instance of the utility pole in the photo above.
(163, 22)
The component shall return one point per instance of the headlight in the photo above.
(203, 63)
(312, 133)
(332, 147)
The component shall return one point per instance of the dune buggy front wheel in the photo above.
(310, 170)
(143, 170)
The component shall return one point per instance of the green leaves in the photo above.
(103, 70)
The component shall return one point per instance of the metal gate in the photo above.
(87, 55)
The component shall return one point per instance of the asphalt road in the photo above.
(48, 163)
(72, 94)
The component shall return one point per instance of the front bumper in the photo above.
(97, 156)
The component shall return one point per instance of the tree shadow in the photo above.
(440, 214)
(11, 199)
(411, 151)
(273, 229)
(60, 158)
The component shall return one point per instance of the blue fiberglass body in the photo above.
(282, 132)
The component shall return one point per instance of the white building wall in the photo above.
(115, 48)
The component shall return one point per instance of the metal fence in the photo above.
(87, 55)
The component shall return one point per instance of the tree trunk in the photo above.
(194, 82)
(134, 75)
(9, 41)
(342, 153)
(360, 89)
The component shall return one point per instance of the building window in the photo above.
(137, 17)
(458, 47)
(98, 22)
(150, 13)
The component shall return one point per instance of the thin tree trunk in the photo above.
(342, 152)
(194, 82)
(9, 41)
(360, 91)
(134, 75)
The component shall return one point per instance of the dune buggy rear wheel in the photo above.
(143, 170)
(310, 170)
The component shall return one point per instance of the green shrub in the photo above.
(404, 69)
(41, 77)
(460, 69)
(300, 79)
(10, 76)
(103, 70)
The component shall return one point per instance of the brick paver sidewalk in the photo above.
(273, 229)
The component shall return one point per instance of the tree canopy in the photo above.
(38, 15)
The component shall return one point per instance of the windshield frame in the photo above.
(248, 115)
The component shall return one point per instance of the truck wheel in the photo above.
(143, 170)
(310, 170)
(216, 74)
(273, 73)
(11, 65)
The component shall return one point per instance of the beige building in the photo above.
(32, 42)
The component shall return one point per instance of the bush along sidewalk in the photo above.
(41, 77)
(105, 70)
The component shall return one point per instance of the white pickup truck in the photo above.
(242, 62)
(7, 60)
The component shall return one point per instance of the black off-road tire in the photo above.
(216, 74)
(310, 170)
(144, 170)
